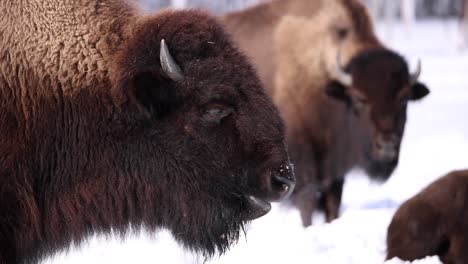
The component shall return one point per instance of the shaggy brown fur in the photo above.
(328, 137)
(319, 22)
(433, 222)
(254, 30)
(95, 137)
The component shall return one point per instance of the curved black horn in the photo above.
(340, 74)
(415, 75)
(168, 64)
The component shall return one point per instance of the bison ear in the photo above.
(418, 91)
(146, 91)
(337, 91)
(154, 94)
(147, 80)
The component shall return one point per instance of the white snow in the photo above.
(436, 142)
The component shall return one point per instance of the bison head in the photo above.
(377, 86)
(205, 136)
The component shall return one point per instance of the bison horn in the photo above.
(415, 75)
(168, 64)
(341, 75)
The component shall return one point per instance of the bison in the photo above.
(112, 120)
(343, 95)
(433, 222)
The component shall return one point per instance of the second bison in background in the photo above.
(337, 117)
(433, 222)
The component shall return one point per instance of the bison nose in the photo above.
(279, 184)
(282, 181)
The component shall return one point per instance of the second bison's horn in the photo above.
(340, 74)
(415, 75)
(168, 64)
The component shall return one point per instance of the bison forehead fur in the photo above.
(96, 137)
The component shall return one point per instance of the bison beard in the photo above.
(205, 212)
(105, 133)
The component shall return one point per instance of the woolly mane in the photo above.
(69, 42)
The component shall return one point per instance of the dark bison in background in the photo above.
(111, 119)
(433, 222)
(343, 95)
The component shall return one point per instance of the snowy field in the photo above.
(436, 142)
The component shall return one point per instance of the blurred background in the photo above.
(435, 142)
(388, 12)
(422, 8)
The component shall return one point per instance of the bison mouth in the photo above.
(378, 169)
(255, 208)
(276, 185)
(381, 170)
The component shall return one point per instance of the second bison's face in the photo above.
(377, 87)
(376, 83)
(209, 138)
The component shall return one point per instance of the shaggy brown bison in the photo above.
(342, 94)
(110, 119)
(433, 222)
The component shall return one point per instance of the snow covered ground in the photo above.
(435, 143)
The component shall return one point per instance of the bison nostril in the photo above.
(283, 181)
(282, 185)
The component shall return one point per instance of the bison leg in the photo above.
(306, 201)
(332, 198)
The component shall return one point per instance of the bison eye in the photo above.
(216, 112)
(342, 33)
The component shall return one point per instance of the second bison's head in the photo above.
(377, 86)
(204, 132)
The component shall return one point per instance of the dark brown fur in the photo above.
(129, 147)
(329, 130)
(433, 222)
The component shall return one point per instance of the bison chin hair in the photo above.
(207, 222)
(216, 230)
(377, 170)
(380, 171)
